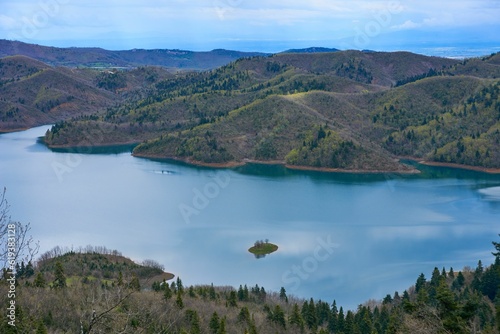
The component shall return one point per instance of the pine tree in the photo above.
(60, 278)
(39, 281)
(120, 278)
(349, 326)
(180, 287)
(333, 319)
(341, 320)
(244, 315)
(194, 321)
(167, 292)
(211, 292)
(451, 273)
(295, 319)
(309, 315)
(232, 299)
(420, 282)
(214, 323)
(283, 295)
(222, 326)
(135, 284)
(279, 316)
(178, 301)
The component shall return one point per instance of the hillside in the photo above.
(351, 111)
(33, 93)
(96, 57)
(94, 290)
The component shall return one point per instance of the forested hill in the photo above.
(346, 110)
(102, 292)
(97, 57)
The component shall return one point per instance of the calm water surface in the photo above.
(341, 236)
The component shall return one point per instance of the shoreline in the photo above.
(233, 164)
(453, 165)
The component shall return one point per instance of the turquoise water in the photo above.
(341, 236)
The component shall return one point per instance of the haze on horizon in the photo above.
(257, 25)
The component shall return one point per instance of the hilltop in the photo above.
(340, 111)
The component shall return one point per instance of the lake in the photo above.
(348, 237)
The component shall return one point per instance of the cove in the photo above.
(348, 237)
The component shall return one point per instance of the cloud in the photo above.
(178, 21)
(7, 22)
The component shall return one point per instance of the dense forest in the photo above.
(96, 290)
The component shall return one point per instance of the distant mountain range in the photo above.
(97, 57)
(310, 108)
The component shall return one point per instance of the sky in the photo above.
(253, 25)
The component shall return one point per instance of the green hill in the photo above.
(373, 107)
(33, 93)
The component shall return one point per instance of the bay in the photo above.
(348, 237)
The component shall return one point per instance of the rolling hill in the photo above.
(344, 110)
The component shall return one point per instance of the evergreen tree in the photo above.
(211, 292)
(180, 287)
(365, 323)
(167, 292)
(309, 315)
(214, 323)
(478, 275)
(39, 281)
(134, 283)
(241, 294)
(349, 326)
(120, 278)
(451, 273)
(421, 281)
(283, 295)
(30, 270)
(296, 319)
(341, 320)
(244, 315)
(232, 299)
(222, 326)
(178, 301)
(60, 278)
(191, 292)
(194, 321)
(459, 281)
(279, 316)
(333, 319)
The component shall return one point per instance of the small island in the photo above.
(261, 248)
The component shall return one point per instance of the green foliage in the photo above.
(111, 80)
(60, 278)
(322, 148)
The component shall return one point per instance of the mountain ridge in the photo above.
(98, 57)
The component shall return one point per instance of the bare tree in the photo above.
(16, 243)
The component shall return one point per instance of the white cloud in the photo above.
(7, 22)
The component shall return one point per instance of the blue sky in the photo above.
(270, 25)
